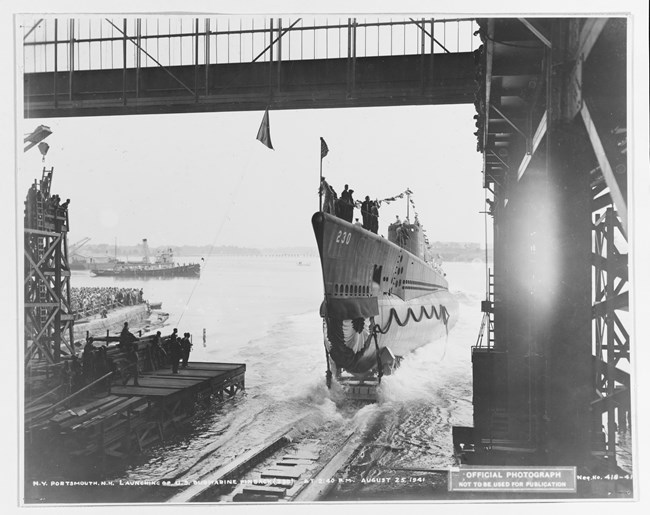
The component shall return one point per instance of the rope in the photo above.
(481, 331)
(233, 197)
(444, 315)
(380, 368)
(485, 241)
(375, 329)
(373, 335)
(328, 374)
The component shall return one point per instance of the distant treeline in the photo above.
(460, 251)
(103, 249)
(450, 251)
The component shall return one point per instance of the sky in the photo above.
(204, 179)
(199, 179)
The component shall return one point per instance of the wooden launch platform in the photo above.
(127, 418)
(200, 377)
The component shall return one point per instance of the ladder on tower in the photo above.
(40, 246)
(487, 323)
(490, 314)
(46, 182)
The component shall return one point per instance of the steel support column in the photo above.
(560, 388)
(611, 402)
(48, 317)
(568, 370)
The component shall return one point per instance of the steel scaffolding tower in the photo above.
(554, 388)
(48, 317)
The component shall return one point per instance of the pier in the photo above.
(130, 417)
(111, 418)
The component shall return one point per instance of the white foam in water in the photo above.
(434, 368)
(264, 312)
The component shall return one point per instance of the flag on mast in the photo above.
(323, 148)
(264, 134)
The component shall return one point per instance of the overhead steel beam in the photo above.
(149, 56)
(620, 302)
(499, 158)
(32, 29)
(510, 122)
(421, 27)
(489, 56)
(589, 35)
(270, 45)
(605, 167)
(540, 132)
(538, 33)
(306, 84)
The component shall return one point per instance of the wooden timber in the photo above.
(128, 418)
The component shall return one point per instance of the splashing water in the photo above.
(255, 318)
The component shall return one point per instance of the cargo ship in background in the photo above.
(383, 297)
(162, 266)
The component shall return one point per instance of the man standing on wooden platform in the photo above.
(132, 367)
(175, 351)
(88, 361)
(186, 347)
(159, 354)
(126, 337)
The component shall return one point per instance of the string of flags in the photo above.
(264, 136)
(417, 217)
(389, 200)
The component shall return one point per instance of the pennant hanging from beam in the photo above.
(264, 134)
(323, 148)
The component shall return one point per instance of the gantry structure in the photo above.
(48, 317)
(107, 66)
(552, 380)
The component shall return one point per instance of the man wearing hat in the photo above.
(365, 213)
(126, 337)
(186, 347)
(350, 207)
(175, 351)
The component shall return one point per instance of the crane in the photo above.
(76, 246)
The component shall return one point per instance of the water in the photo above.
(263, 311)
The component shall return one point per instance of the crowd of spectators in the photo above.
(51, 206)
(91, 300)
